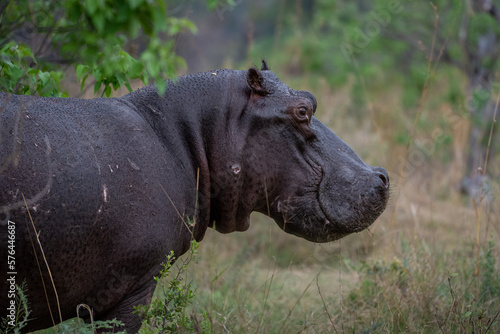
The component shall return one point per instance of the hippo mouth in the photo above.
(313, 225)
(334, 208)
(310, 223)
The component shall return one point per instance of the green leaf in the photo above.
(97, 86)
(108, 91)
(190, 26)
(44, 78)
(83, 82)
(211, 4)
(81, 70)
(135, 69)
(176, 25)
(119, 79)
(33, 71)
(127, 84)
(15, 73)
(145, 78)
(91, 6)
(99, 21)
(134, 3)
(97, 74)
(161, 85)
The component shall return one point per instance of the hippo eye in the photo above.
(302, 114)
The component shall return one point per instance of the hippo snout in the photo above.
(348, 200)
(352, 199)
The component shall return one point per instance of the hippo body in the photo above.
(113, 185)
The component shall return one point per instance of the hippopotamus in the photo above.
(95, 193)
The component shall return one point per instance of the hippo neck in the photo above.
(200, 112)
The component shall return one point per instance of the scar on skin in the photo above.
(105, 193)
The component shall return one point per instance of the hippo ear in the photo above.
(264, 66)
(256, 81)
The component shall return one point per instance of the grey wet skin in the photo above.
(110, 183)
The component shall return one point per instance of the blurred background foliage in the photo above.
(40, 38)
(410, 85)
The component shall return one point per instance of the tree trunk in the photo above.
(480, 68)
(481, 107)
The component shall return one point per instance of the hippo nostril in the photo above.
(383, 176)
(384, 180)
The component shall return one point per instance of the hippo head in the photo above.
(292, 168)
